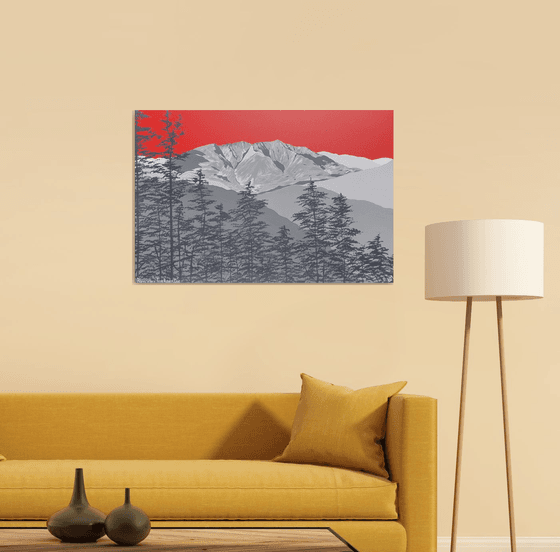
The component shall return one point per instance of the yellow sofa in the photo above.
(203, 460)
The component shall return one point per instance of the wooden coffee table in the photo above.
(238, 539)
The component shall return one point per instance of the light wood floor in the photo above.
(192, 540)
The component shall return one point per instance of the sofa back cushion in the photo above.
(145, 426)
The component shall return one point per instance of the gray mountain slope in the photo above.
(354, 161)
(229, 200)
(374, 185)
(369, 218)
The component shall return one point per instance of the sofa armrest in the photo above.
(411, 450)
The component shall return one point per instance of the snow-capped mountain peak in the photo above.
(267, 164)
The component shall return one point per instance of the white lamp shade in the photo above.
(484, 259)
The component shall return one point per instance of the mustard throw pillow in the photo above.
(337, 426)
(2, 458)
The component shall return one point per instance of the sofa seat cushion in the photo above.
(198, 489)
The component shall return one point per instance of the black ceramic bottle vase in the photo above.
(127, 524)
(78, 522)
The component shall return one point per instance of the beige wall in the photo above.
(475, 89)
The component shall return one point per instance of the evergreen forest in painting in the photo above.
(256, 211)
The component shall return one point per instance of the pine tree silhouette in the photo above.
(313, 248)
(201, 233)
(172, 131)
(142, 135)
(251, 236)
(284, 250)
(154, 253)
(343, 250)
(183, 225)
(232, 256)
(376, 265)
(219, 238)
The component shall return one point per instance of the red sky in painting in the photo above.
(362, 133)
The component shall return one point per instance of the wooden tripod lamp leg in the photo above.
(506, 427)
(461, 420)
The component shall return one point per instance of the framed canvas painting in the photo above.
(264, 197)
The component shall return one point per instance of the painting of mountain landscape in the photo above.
(264, 197)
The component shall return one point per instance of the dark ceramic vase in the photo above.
(127, 524)
(78, 522)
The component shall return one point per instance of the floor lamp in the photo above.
(483, 260)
